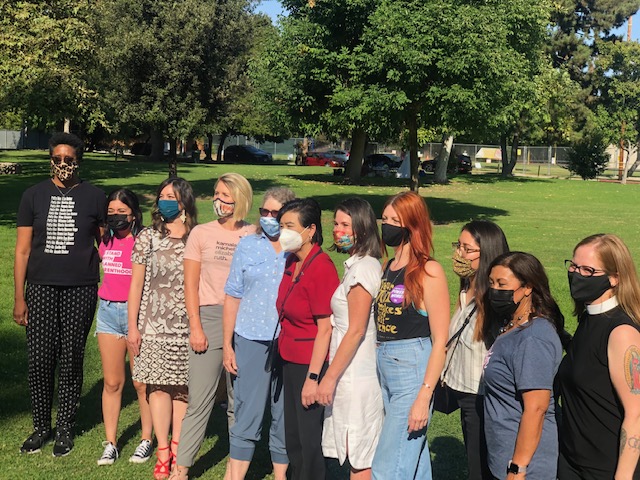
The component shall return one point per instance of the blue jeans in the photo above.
(401, 368)
(112, 318)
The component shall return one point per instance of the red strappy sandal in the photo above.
(162, 469)
(172, 455)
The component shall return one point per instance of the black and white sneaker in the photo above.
(63, 443)
(36, 441)
(143, 452)
(109, 455)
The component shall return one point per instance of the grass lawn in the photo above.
(546, 217)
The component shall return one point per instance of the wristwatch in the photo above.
(513, 468)
(312, 376)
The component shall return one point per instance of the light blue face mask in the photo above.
(270, 226)
(344, 243)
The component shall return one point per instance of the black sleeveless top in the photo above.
(395, 322)
(591, 411)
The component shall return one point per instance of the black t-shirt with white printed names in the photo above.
(65, 222)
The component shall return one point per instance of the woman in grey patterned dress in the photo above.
(158, 326)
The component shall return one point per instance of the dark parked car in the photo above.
(380, 163)
(460, 164)
(246, 154)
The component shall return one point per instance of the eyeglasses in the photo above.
(265, 213)
(58, 160)
(457, 246)
(581, 269)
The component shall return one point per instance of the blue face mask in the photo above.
(169, 209)
(344, 243)
(270, 226)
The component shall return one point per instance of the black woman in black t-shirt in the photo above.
(599, 377)
(56, 283)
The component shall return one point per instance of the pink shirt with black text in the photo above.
(116, 265)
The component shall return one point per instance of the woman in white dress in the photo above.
(350, 388)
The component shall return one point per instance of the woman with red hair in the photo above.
(412, 315)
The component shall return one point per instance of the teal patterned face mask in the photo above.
(344, 243)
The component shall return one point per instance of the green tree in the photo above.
(47, 54)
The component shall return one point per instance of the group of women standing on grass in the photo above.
(348, 368)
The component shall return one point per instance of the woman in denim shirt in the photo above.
(249, 322)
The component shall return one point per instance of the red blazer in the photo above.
(310, 297)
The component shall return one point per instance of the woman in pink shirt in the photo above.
(124, 221)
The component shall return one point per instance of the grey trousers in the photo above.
(204, 374)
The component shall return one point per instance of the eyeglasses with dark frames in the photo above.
(58, 160)
(583, 270)
(457, 246)
(265, 212)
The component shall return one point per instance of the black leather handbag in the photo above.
(444, 400)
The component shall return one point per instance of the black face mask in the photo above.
(587, 289)
(118, 222)
(393, 236)
(502, 303)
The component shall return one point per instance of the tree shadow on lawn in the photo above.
(442, 210)
(447, 453)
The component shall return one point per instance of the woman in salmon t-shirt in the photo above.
(207, 261)
(304, 305)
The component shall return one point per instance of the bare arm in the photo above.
(23, 250)
(623, 351)
(197, 338)
(133, 307)
(436, 303)
(535, 405)
(359, 308)
(318, 356)
(229, 315)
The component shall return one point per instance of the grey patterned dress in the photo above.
(162, 319)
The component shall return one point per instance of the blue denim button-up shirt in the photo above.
(256, 271)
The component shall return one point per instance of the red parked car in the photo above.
(323, 159)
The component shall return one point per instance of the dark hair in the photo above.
(309, 213)
(530, 272)
(184, 195)
(366, 236)
(492, 242)
(130, 199)
(70, 139)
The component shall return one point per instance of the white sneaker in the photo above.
(109, 455)
(143, 452)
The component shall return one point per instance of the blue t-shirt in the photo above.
(256, 271)
(525, 358)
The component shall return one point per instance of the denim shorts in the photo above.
(112, 318)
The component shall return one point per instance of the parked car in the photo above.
(380, 164)
(341, 154)
(323, 159)
(246, 154)
(461, 163)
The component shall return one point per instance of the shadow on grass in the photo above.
(446, 454)
(442, 210)
(14, 391)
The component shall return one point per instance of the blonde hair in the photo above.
(241, 192)
(616, 260)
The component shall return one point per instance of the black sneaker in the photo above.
(63, 443)
(36, 441)
(143, 452)
(109, 455)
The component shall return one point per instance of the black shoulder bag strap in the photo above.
(456, 337)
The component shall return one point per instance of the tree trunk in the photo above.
(513, 158)
(440, 175)
(223, 138)
(207, 151)
(173, 159)
(67, 125)
(354, 165)
(505, 155)
(157, 146)
(412, 127)
(635, 164)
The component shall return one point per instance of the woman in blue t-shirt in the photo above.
(520, 423)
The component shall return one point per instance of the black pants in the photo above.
(58, 322)
(472, 419)
(302, 427)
